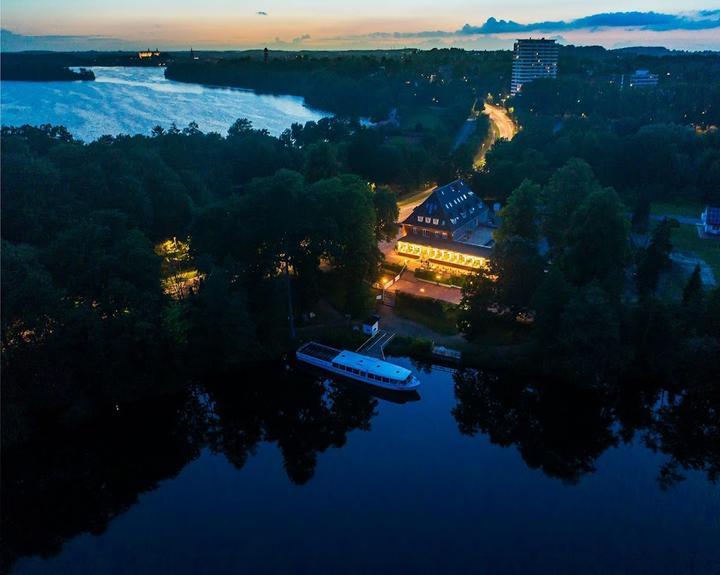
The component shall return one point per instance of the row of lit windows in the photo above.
(440, 254)
(371, 376)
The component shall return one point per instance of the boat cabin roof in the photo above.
(372, 365)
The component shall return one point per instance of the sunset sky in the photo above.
(83, 24)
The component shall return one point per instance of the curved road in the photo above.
(503, 126)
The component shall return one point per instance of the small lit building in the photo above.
(445, 230)
(640, 79)
(371, 325)
(711, 220)
(149, 54)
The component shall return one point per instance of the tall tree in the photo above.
(520, 216)
(656, 257)
(566, 191)
(596, 242)
(386, 213)
(505, 287)
(693, 291)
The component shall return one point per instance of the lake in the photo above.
(132, 100)
(282, 472)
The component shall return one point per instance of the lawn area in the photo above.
(689, 209)
(437, 315)
(686, 239)
(410, 117)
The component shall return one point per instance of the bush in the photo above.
(413, 347)
(437, 315)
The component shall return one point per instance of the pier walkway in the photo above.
(374, 346)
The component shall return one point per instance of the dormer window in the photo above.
(420, 219)
(427, 220)
(435, 221)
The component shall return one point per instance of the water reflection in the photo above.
(303, 416)
(562, 429)
(79, 481)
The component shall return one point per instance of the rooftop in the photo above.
(447, 208)
(372, 365)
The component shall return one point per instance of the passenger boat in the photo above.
(358, 367)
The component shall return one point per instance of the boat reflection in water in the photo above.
(369, 391)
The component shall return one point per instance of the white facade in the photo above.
(640, 79)
(711, 221)
(533, 59)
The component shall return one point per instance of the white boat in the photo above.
(358, 367)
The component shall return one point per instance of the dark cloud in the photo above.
(655, 21)
(13, 42)
(301, 39)
(261, 13)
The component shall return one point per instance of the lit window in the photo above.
(420, 218)
(435, 221)
(427, 220)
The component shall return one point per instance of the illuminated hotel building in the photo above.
(445, 230)
(533, 59)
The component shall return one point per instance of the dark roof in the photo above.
(712, 217)
(467, 249)
(451, 206)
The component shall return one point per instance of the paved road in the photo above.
(411, 285)
(501, 120)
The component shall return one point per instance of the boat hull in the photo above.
(328, 367)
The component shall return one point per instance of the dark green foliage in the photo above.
(506, 287)
(655, 258)
(590, 347)
(549, 303)
(693, 291)
(520, 216)
(82, 288)
(566, 191)
(596, 242)
(386, 213)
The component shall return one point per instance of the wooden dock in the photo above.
(374, 346)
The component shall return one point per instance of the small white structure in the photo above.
(640, 79)
(371, 325)
(711, 220)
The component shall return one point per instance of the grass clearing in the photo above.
(686, 239)
(437, 315)
(430, 119)
(687, 209)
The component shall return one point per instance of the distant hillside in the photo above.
(38, 68)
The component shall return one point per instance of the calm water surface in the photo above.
(297, 475)
(131, 100)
